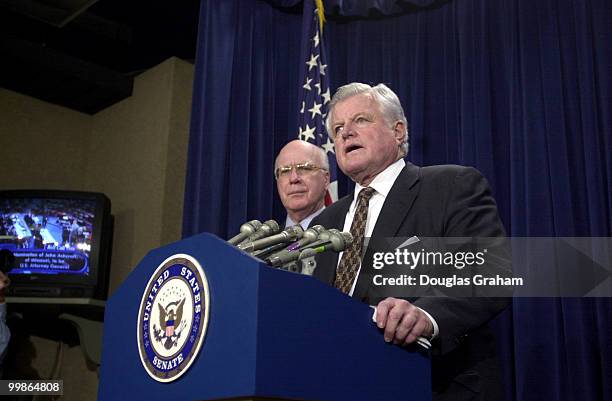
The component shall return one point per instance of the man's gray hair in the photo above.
(389, 103)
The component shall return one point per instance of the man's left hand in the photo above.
(402, 322)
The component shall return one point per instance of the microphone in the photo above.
(324, 238)
(246, 229)
(267, 228)
(310, 235)
(262, 253)
(289, 235)
(337, 241)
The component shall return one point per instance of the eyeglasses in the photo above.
(301, 170)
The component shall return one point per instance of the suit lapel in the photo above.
(327, 261)
(397, 205)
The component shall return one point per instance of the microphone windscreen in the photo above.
(246, 229)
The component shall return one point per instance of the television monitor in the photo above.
(56, 243)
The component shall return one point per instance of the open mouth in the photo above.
(352, 147)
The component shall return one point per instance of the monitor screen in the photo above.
(55, 237)
(48, 236)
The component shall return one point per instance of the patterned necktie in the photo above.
(351, 259)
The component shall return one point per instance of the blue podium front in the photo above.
(266, 333)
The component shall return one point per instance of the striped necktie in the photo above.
(351, 259)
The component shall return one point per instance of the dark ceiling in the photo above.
(83, 54)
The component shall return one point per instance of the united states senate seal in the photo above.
(173, 317)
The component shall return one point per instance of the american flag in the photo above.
(314, 93)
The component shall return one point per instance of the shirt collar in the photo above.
(305, 222)
(383, 182)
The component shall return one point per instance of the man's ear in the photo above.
(399, 131)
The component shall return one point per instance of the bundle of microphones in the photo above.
(290, 249)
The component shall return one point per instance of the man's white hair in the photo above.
(389, 103)
(323, 161)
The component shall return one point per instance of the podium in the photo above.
(271, 334)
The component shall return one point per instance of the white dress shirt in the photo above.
(305, 221)
(382, 184)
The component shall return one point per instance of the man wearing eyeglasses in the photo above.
(393, 198)
(302, 177)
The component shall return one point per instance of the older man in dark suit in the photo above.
(393, 198)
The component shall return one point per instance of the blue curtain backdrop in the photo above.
(520, 89)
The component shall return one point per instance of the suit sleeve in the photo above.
(470, 211)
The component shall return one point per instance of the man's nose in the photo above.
(294, 176)
(348, 131)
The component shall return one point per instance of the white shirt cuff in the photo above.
(436, 329)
